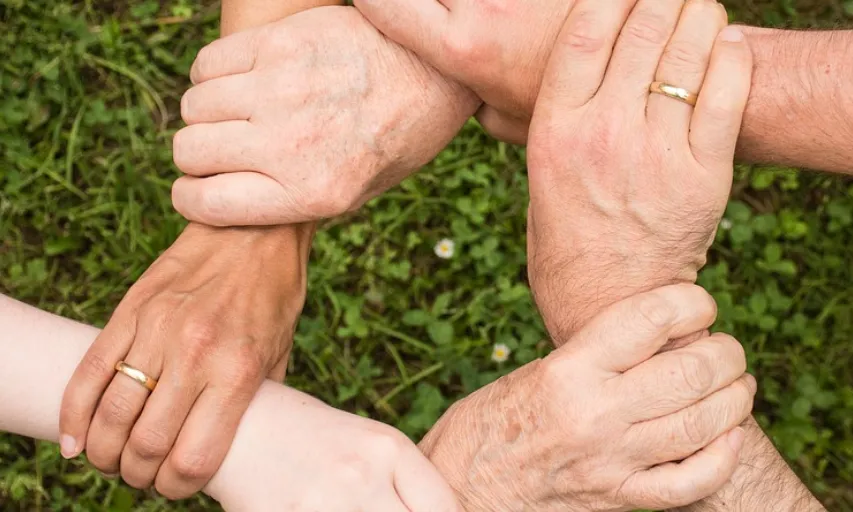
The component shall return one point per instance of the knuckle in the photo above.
(647, 28)
(387, 445)
(331, 199)
(655, 311)
(696, 374)
(684, 56)
(677, 492)
(192, 466)
(462, 48)
(149, 444)
(199, 335)
(585, 36)
(115, 409)
(553, 371)
(731, 345)
(186, 113)
(202, 64)
(94, 366)
(694, 427)
(182, 149)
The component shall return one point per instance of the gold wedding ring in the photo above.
(136, 375)
(676, 93)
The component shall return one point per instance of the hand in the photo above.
(209, 320)
(627, 187)
(307, 118)
(498, 49)
(602, 423)
(294, 453)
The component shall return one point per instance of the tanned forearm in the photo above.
(762, 483)
(244, 14)
(800, 110)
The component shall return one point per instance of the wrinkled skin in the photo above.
(600, 424)
(307, 118)
(627, 188)
(212, 317)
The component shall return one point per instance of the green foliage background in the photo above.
(89, 93)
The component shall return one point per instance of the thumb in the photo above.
(235, 199)
(633, 330)
(420, 486)
(418, 25)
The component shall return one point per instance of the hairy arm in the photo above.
(800, 110)
(763, 482)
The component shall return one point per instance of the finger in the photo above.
(388, 502)
(236, 199)
(673, 380)
(691, 429)
(420, 26)
(421, 486)
(502, 126)
(230, 55)
(204, 440)
(229, 98)
(631, 331)
(279, 371)
(684, 63)
(581, 53)
(119, 408)
(213, 148)
(680, 484)
(91, 378)
(638, 50)
(719, 110)
(156, 430)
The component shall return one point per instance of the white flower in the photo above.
(444, 249)
(500, 353)
(725, 224)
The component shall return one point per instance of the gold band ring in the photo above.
(676, 93)
(136, 375)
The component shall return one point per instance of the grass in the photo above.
(89, 94)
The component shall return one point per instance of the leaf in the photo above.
(417, 317)
(440, 332)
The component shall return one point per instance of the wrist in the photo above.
(592, 276)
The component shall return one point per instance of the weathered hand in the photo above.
(602, 423)
(209, 319)
(307, 118)
(627, 187)
(498, 48)
(294, 453)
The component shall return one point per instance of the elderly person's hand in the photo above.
(626, 186)
(209, 320)
(307, 118)
(604, 424)
(498, 49)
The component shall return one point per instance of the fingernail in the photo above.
(110, 476)
(732, 34)
(735, 439)
(68, 446)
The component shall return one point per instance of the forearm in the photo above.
(762, 483)
(244, 14)
(800, 110)
(40, 352)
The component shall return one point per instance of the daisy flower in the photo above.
(444, 249)
(500, 353)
